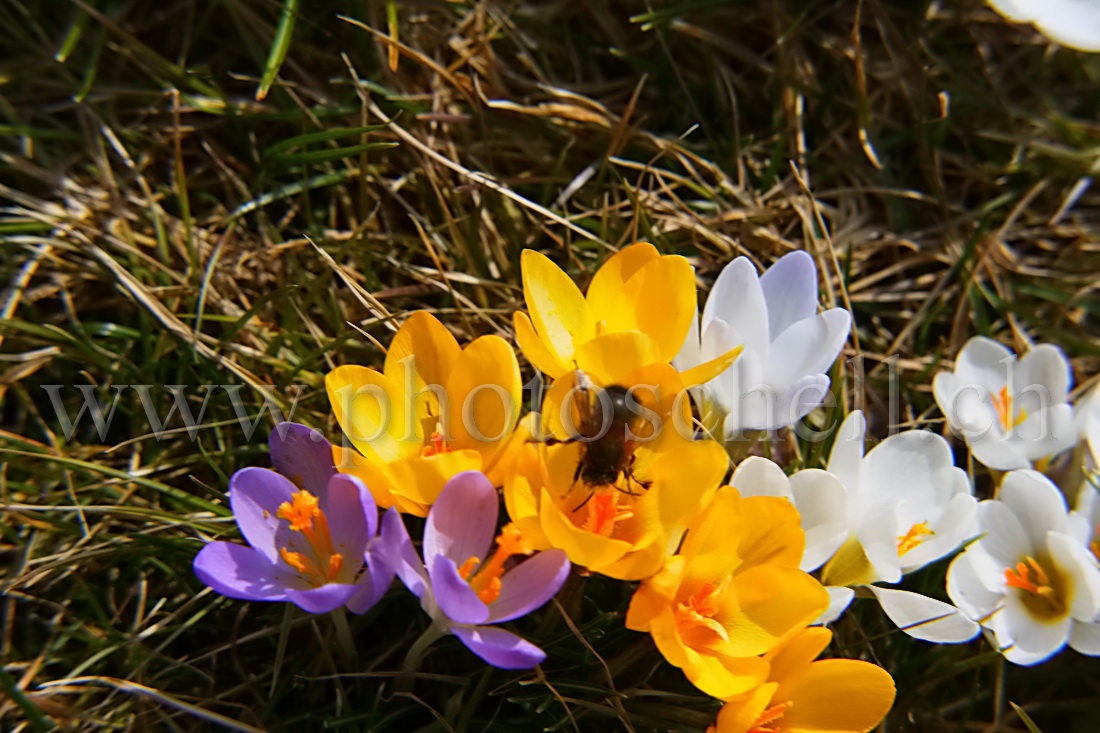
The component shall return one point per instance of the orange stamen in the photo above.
(913, 537)
(1020, 577)
(698, 615)
(1003, 403)
(305, 516)
(604, 513)
(486, 581)
(772, 714)
(438, 443)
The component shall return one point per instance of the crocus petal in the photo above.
(847, 454)
(1085, 638)
(500, 648)
(808, 347)
(396, 547)
(255, 495)
(756, 476)
(302, 455)
(605, 292)
(426, 348)
(322, 600)
(790, 290)
(1036, 502)
(925, 618)
(975, 583)
(558, 310)
(821, 501)
(484, 393)
(457, 600)
(1072, 23)
(372, 585)
(1043, 378)
(839, 600)
(239, 572)
(529, 585)
(347, 505)
(1005, 539)
(1047, 433)
(738, 299)
(1076, 561)
(463, 520)
(839, 695)
(369, 408)
(533, 347)
(1033, 641)
(992, 450)
(984, 362)
(774, 404)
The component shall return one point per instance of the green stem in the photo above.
(420, 647)
(344, 640)
(35, 716)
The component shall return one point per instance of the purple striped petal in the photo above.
(463, 520)
(396, 548)
(254, 496)
(324, 599)
(237, 571)
(456, 599)
(302, 455)
(790, 290)
(500, 648)
(529, 585)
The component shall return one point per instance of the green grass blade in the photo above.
(279, 48)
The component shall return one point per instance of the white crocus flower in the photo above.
(779, 377)
(1011, 413)
(1029, 580)
(908, 505)
(818, 495)
(1088, 426)
(1072, 23)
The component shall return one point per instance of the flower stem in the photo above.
(344, 640)
(420, 647)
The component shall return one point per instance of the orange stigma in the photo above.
(604, 513)
(695, 618)
(772, 714)
(1040, 588)
(305, 516)
(438, 443)
(1004, 403)
(913, 537)
(486, 580)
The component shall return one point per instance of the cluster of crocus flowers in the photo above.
(617, 474)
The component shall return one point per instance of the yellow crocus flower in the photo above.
(434, 410)
(733, 592)
(807, 696)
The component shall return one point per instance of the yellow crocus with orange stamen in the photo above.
(806, 696)
(646, 299)
(436, 409)
(734, 591)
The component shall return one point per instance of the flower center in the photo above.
(436, 444)
(604, 513)
(1004, 403)
(695, 619)
(305, 516)
(913, 537)
(486, 580)
(1043, 595)
(772, 714)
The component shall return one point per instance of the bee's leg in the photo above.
(587, 499)
(577, 472)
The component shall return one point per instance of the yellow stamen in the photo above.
(913, 537)
(305, 516)
(772, 714)
(604, 513)
(1042, 596)
(486, 581)
(695, 619)
(1003, 402)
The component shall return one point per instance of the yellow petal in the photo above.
(419, 479)
(708, 370)
(610, 358)
(605, 292)
(484, 393)
(557, 308)
(790, 660)
(541, 357)
(849, 566)
(350, 461)
(638, 564)
(655, 594)
(717, 675)
(369, 408)
(774, 603)
(839, 695)
(432, 347)
(684, 475)
(584, 548)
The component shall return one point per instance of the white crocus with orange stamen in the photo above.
(907, 506)
(1030, 580)
(1012, 413)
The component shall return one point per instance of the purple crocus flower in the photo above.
(461, 585)
(309, 527)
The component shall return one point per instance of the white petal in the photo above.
(985, 363)
(957, 523)
(1047, 432)
(1006, 540)
(809, 346)
(1033, 641)
(1044, 372)
(689, 354)
(821, 501)
(1075, 560)
(925, 618)
(770, 406)
(994, 451)
(738, 299)
(839, 598)
(790, 290)
(1085, 638)
(756, 476)
(1072, 23)
(968, 585)
(847, 454)
(907, 468)
(878, 533)
(1036, 502)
